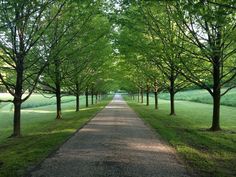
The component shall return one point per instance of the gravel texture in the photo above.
(115, 143)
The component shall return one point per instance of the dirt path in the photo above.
(116, 143)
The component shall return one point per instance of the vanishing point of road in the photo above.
(115, 143)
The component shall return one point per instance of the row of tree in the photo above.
(56, 47)
(172, 45)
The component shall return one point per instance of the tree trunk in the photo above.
(86, 95)
(58, 98)
(172, 103)
(147, 96)
(141, 95)
(77, 97)
(96, 98)
(172, 94)
(77, 102)
(216, 113)
(17, 116)
(156, 100)
(216, 95)
(18, 98)
(58, 87)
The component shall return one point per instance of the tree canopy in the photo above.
(76, 47)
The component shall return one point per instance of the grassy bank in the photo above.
(207, 153)
(41, 135)
(202, 96)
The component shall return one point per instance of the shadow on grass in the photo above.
(19, 153)
(41, 136)
(208, 153)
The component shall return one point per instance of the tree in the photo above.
(75, 24)
(23, 25)
(138, 43)
(163, 51)
(91, 51)
(208, 31)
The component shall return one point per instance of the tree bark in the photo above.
(96, 97)
(58, 99)
(141, 95)
(172, 94)
(86, 95)
(156, 100)
(58, 87)
(172, 103)
(18, 98)
(216, 113)
(77, 97)
(147, 94)
(216, 95)
(17, 117)
(77, 102)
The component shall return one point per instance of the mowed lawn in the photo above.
(207, 153)
(41, 132)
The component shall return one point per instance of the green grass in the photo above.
(206, 153)
(41, 134)
(202, 96)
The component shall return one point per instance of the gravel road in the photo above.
(115, 143)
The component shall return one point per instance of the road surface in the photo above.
(115, 143)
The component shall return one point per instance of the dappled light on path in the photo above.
(116, 143)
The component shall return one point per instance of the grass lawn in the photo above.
(41, 133)
(206, 153)
(202, 96)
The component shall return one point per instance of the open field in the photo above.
(207, 153)
(202, 96)
(36, 100)
(33, 111)
(41, 133)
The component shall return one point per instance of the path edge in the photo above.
(37, 166)
(176, 155)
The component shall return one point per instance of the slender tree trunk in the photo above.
(58, 99)
(58, 87)
(172, 94)
(86, 95)
(172, 103)
(77, 97)
(141, 95)
(18, 98)
(156, 100)
(216, 96)
(216, 113)
(77, 102)
(96, 97)
(19, 79)
(147, 94)
(17, 117)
